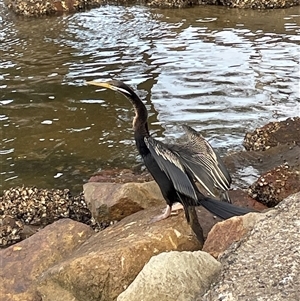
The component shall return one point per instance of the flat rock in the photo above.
(23, 262)
(173, 276)
(108, 262)
(265, 264)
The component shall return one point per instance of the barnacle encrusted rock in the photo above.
(275, 185)
(273, 134)
(34, 207)
(50, 7)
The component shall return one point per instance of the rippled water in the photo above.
(222, 71)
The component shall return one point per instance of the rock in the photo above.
(50, 7)
(265, 264)
(30, 209)
(278, 183)
(171, 3)
(258, 4)
(10, 230)
(241, 198)
(34, 8)
(225, 233)
(273, 134)
(108, 262)
(246, 166)
(22, 263)
(173, 276)
(40, 207)
(113, 201)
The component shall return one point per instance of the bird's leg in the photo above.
(165, 215)
(195, 225)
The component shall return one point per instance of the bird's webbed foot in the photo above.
(160, 217)
(168, 211)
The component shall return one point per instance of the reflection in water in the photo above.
(222, 71)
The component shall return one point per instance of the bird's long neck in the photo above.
(140, 125)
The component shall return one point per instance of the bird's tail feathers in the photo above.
(222, 209)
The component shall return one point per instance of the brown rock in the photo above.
(109, 261)
(225, 233)
(273, 134)
(275, 185)
(23, 262)
(113, 201)
(241, 198)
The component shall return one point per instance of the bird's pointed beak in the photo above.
(108, 85)
(100, 84)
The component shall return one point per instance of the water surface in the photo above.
(222, 71)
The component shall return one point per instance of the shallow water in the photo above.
(222, 71)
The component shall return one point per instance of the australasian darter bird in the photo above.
(174, 167)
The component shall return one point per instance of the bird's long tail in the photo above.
(222, 209)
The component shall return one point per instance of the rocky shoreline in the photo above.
(35, 8)
(93, 246)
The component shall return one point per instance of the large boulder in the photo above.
(113, 201)
(24, 262)
(265, 264)
(173, 276)
(108, 262)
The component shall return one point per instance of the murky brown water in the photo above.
(221, 71)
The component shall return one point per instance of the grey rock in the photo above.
(173, 276)
(265, 265)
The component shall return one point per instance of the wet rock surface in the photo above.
(265, 265)
(51, 7)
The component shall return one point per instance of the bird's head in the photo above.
(115, 85)
(140, 119)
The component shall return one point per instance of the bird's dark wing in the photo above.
(203, 162)
(170, 164)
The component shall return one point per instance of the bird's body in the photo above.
(174, 167)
